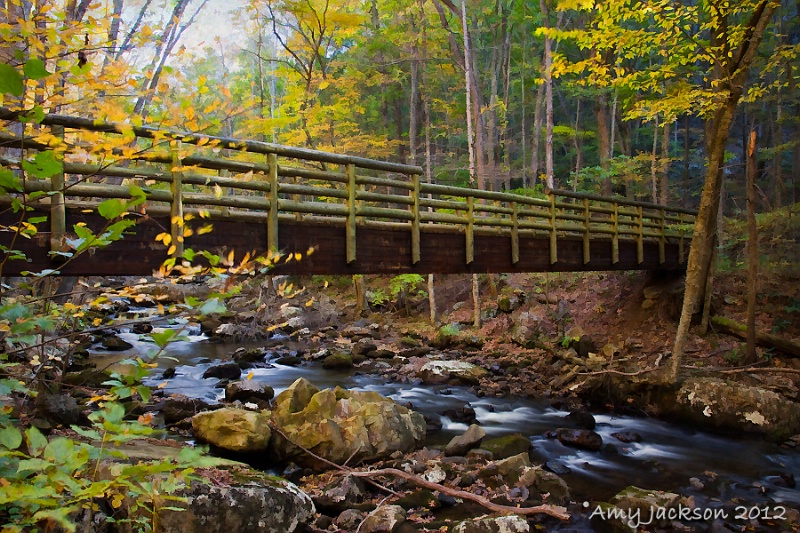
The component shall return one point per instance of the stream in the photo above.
(667, 457)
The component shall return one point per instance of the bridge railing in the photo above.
(252, 180)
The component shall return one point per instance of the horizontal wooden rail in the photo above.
(252, 180)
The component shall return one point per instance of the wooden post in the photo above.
(351, 213)
(514, 234)
(662, 254)
(415, 242)
(470, 229)
(615, 235)
(58, 215)
(586, 236)
(272, 214)
(681, 246)
(176, 205)
(553, 236)
(640, 235)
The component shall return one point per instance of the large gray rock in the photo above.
(340, 425)
(235, 499)
(500, 524)
(544, 486)
(717, 403)
(254, 502)
(434, 372)
(231, 429)
(384, 519)
(461, 444)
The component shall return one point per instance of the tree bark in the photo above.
(752, 251)
(548, 84)
(664, 188)
(704, 231)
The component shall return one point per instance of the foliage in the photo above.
(400, 290)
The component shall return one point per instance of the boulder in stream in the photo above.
(340, 425)
(580, 438)
(717, 403)
(232, 429)
(248, 390)
(434, 372)
(236, 498)
(223, 371)
(506, 446)
(461, 444)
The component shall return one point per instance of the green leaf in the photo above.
(10, 385)
(138, 196)
(10, 80)
(144, 392)
(10, 437)
(60, 515)
(212, 306)
(34, 69)
(36, 441)
(33, 465)
(35, 115)
(59, 449)
(162, 338)
(88, 433)
(9, 181)
(44, 165)
(112, 208)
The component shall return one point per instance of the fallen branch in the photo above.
(555, 511)
(551, 510)
(726, 325)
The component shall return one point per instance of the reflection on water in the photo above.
(667, 456)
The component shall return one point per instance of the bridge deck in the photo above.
(357, 215)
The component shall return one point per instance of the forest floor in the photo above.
(632, 332)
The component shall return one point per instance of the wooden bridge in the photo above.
(358, 215)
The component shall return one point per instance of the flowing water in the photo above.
(666, 458)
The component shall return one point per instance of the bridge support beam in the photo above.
(58, 216)
(176, 204)
(350, 224)
(272, 213)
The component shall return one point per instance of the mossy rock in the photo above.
(507, 446)
(338, 360)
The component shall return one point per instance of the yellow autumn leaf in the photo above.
(97, 321)
(310, 302)
(249, 376)
(172, 249)
(208, 228)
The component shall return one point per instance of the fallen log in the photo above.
(767, 340)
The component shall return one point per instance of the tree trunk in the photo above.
(603, 139)
(548, 85)
(664, 188)
(738, 64)
(536, 135)
(654, 164)
(476, 302)
(752, 251)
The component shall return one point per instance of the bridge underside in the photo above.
(378, 250)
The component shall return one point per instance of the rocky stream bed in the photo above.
(343, 423)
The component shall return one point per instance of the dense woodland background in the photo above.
(620, 93)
